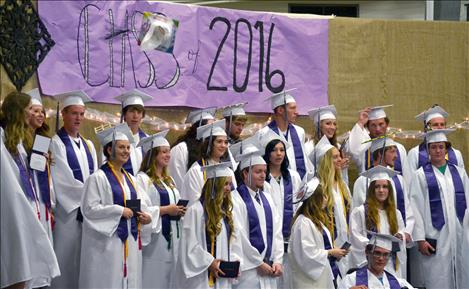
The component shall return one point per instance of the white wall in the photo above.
(409, 10)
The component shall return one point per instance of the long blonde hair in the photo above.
(312, 209)
(329, 175)
(218, 207)
(372, 220)
(13, 121)
(150, 169)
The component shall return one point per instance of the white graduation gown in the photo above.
(156, 254)
(46, 219)
(193, 183)
(359, 198)
(102, 251)
(449, 239)
(342, 228)
(359, 240)
(358, 149)
(250, 278)
(308, 260)
(38, 205)
(465, 248)
(68, 194)
(26, 251)
(290, 151)
(194, 259)
(373, 282)
(413, 158)
(178, 163)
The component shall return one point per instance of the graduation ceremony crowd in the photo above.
(273, 210)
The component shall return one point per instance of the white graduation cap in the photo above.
(379, 173)
(381, 143)
(77, 97)
(118, 132)
(234, 109)
(200, 114)
(431, 113)
(321, 148)
(322, 113)
(384, 241)
(238, 148)
(281, 98)
(437, 135)
(218, 170)
(378, 112)
(307, 190)
(267, 138)
(251, 156)
(153, 141)
(216, 128)
(35, 96)
(133, 97)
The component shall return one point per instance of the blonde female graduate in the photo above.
(311, 253)
(209, 234)
(111, 255)
(378, 214)
(330, 175)
(160, 247)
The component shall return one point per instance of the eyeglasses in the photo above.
(381, 255)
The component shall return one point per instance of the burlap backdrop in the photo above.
(411, 64)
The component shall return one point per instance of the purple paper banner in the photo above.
(220, 56)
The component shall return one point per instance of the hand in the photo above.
(127, 213)
(359, 287)
(277, 270)
(408, 238)
(363, 117)
(338, 253)
(425, 248)
(144, 218)
(173, 210)
(264, 269)
(215, 268)
(399, 236)
(345, 162)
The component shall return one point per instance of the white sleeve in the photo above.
(359, 192)
(143, 186)
(99, 213)
(178, 163)
(358, 237)
(417, 199)
(192, 184)
(358, 135)
(310, 256)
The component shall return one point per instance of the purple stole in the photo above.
(332, 261)
(400, 197)
(128, 165)
(72, 158)
(118, 197)
(423, 156)
(287, 205)
(434, 197)
(362, 278)
(255, 233)
(298, 150)
(44, 186)
(369, 161)
(165, 219)
(25, 177)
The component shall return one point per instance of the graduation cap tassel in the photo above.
(318, 126)
(113, 151)
(381, 157)
(210, 141)
(150, 155)
(57, 118)
(212, 192)
(122, 112)
(228, 130)
(250, 173)
(285, 108)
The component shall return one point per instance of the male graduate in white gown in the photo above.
(133, 112)
(372, 123)
(373, 275)
(187, 144)
(235, 117)
(432, 118)
(440, 194)
(27, 257)
(75, 160)
(258, 219)
(283, 123)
